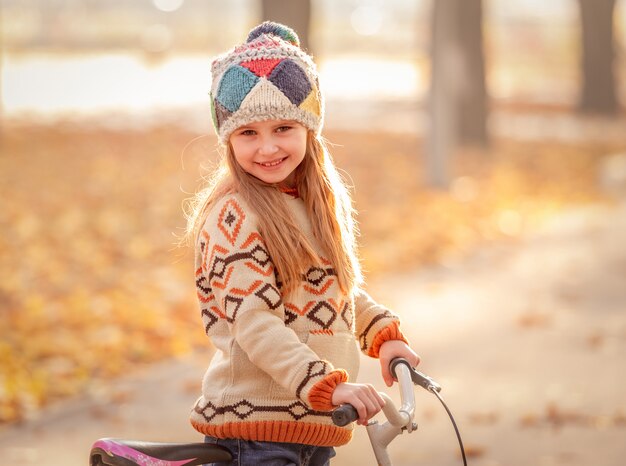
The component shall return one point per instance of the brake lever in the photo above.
(417, 377)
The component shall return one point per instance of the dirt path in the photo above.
(527, 339)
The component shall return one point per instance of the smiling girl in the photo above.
(277, 274)
(270, 150)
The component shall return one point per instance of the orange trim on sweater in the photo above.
(293, 192)
(279, 431)
(390, 332)
(320, 395)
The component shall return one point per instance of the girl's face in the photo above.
(270, 150)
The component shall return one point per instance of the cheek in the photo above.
(242, 153)
(301, 149)
(300, 146)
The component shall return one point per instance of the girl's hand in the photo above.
(364, 397)
(395, 349)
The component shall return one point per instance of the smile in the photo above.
(272, 164)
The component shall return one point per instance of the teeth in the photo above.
(272, 164)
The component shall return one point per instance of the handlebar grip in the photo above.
(344, 415)
(418, 377)
(394, 363)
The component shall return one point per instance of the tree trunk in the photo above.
(598, 94)
(473, 94)
(443, 115)
(458, 107)
(293, 13)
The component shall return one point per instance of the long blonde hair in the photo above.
(328, 205)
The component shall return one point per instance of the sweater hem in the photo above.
(278, 431)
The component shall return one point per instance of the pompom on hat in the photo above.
(267, 78)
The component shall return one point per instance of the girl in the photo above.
(276, 269)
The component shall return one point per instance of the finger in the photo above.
(361, 410)
(413, 358)
(374, 396)
(374, 402)
(370, 406)
(380, 401)
(387, 377)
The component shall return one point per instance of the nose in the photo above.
(267, 146)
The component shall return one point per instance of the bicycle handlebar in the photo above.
(397, 419)
(418, 378)
(345, 414)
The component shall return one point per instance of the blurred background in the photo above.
(463, 125)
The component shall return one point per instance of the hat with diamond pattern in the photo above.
(268, 78)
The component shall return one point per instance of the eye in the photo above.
(282, 129)
(247, 132)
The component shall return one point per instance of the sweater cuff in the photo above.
(320, 395)
(390, 332)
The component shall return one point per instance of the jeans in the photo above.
(248, 452)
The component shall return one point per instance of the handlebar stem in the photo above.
(407, 395)
(380, 437)
(397, 419)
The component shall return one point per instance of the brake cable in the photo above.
(456, 429)
(430, 385)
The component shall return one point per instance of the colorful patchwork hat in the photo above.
(268, 78)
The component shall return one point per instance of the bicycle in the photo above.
(115, 452)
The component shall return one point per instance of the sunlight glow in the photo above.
(93, 84)
(509, 222)
(156, 38)
(168, 5)
(367, 20)
(464, 189)
(370, 78)
(50, 84)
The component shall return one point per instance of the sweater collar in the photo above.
(293, 192)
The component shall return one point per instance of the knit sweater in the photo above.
(279, 356)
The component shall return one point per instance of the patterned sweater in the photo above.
(278, 357)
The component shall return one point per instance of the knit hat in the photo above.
(268, 78)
